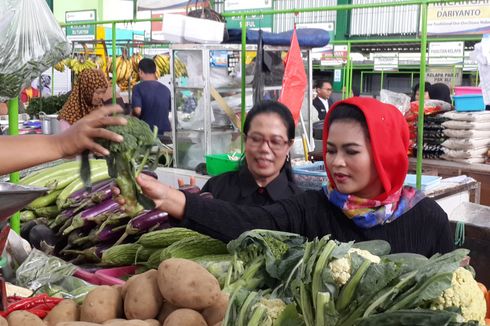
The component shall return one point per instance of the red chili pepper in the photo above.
(39, 302)
(40, 313)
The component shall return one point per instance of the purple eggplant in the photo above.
(106, 234)
(91, 215)
(89, 255)
(144, 222)
(96, 197)
(61, 218)
(80, 195)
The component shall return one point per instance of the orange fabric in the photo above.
(388, 132)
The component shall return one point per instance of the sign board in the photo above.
(337, 75)
(386, 61)
(445, 53)
(80, 32)
(444, 75)
(461, 17)
(263, 22)
(242, 5)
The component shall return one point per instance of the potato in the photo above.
(101, 304)
(3, 321)
(114, 321)
(150, 322)
(77, 323)
(66, 310)
(167, 309)
(143, 299)
(22, 318)
(124, 287)
(187, 284)
(124, 322)
(185, 317)
(217, 311)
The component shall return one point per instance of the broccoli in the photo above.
(128, 158)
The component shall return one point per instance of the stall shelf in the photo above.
(207, 97)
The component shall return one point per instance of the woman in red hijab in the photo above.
(365, 147)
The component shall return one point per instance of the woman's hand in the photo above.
(81, 135)
(166, 198)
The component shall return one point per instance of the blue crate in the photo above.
(311, 176)
(472, 102)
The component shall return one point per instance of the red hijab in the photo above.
(388, 132)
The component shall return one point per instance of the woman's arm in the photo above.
(224, 220)
(20, 152)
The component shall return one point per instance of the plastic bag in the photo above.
(32, 41)
(69, 287)
(40, 269)
(400, 100)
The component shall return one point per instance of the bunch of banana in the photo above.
(100, 62)
(60, 66)
(79, 66)
(135, 77)
(124, 69)
(135, 60)
(163, 64)
(180, 68)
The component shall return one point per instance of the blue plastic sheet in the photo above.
(307, 37)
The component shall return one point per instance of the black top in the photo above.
(155, 102)
(239, 187)
(424, 229)
(322, 110)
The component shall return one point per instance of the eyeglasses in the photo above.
(275, 143)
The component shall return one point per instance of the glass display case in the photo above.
(207, 97)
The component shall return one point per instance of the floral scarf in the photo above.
(367, 213)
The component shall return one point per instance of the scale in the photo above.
(15, 197)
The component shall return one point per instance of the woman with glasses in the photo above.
(265, 174)
(365, 145)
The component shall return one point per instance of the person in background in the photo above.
(355, 91)
(21, 152)
(265, 174)
(322, 102)
(440, 91)
(365, 145)
(86, 96)
(415, 92)
(151, 100)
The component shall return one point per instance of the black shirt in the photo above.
(424, 229)
(239, 187)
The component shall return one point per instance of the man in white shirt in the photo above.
(322, 101)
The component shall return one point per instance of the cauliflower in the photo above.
(341, 267)
(464, 293)
(273, 309)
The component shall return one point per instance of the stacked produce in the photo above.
(468, 136)
(433, 130)
(278, 278)
(79, 224)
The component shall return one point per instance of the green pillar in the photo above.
(50, 4)
(342, 27)
(342, 24)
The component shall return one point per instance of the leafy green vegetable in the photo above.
(128, 158)
(48, 105)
